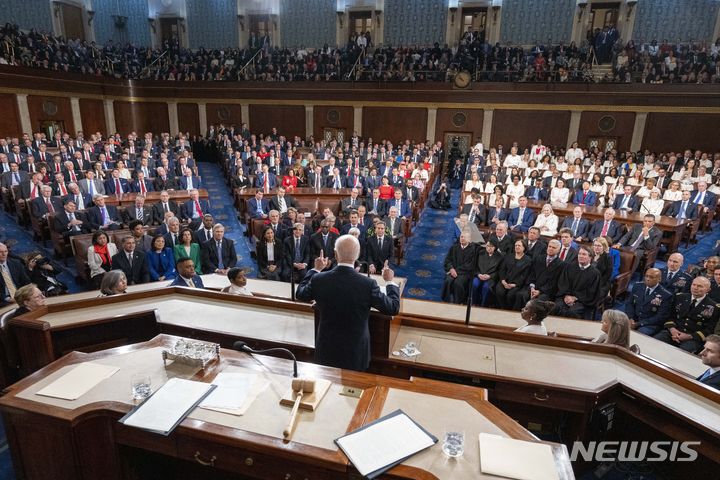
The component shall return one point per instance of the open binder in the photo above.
(384, 443)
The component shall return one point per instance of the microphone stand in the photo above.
(241, 346)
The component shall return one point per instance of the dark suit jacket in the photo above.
(570, 256)
(272, 181)
(95, 217)
(188, 208)
(311, 180)
(649, 311)
(542, 193)
(139, 273)
(654, 236)
(590, 198)
(316, 245)
(87, 200)
(38, 207)
(710, 199)
(110, 186)
(209, 258)
(582, 228)
(289, 250)
(375, 255)
(680, 283)
(168, 184)
(18, 274)
(180, 282)
(252, 207)
(135, 186)
(711, 381)
(183, 183)
(201, 235)
(479, 217)
(343, 300)
(130, 214)
(274, 203)
(158, 212)
(614, 230)
(61, 223)
(381, 206)
(506, 246)
(545, 277)
(632, 204)
(691, 211)
(526, 222)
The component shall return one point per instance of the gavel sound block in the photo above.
(304, 394)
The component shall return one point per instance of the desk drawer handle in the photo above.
(541, 397)
(205, 463)
(249, 461)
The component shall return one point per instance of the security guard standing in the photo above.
(696, 315)
(649, 305)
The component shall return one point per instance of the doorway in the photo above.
(603, 15)
(361, 22)
(458, 143)
(169, 30)
(604, 144)
(330, 134)
(260, 24)
(474, 20)
(72, 21)
(50, 127)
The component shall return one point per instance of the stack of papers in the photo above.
(235, 392)
(167, 407)
(384, 443)
(78, 381)
(499, 456)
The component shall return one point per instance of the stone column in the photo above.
(173, 116)
(574, 127)
(24, 111)
(357, 120)
(109, 116)
(245, 113)
(202, 116)
(487, 128)
(76, 116)
(309, 121)
(431, 124)
(638, 131)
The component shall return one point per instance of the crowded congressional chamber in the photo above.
(407, 239)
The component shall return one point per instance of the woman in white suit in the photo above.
(547, 221)
(99, 257)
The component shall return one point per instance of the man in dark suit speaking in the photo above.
(344, 298)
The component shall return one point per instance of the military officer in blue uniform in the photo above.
(696, 315)
(648, 306)
(673, 279)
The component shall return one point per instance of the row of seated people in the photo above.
(506, 272)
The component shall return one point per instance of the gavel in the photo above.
(301, 386)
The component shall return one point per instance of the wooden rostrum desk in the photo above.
(82, 439)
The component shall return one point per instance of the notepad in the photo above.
(235, 392)
(167, 407)
(499, 456)
(78, 381)
(384, 443)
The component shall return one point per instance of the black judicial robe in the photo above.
(463, 261)
(583, 284)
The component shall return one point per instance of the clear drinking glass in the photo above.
(141, 386)
(454, 442)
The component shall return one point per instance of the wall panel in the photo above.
(288, 119)
(10, 118)
(332, 117)
(458, 120)
(44, 108)
(689, 20)
(136, 29)
(92, 113)
(666, 132)
(528, 22)
(141, 117)
(394, 124)
(188, 119)
(591, 126)
(227, 114)
(526, 126)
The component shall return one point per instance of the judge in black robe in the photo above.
(514, 272)
(459, 268)
(544, 274)
(578, 288)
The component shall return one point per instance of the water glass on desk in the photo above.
(141, 386)
(454, 442)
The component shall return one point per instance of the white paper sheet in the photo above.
(384, 443)
(168, 405)
(78, 381)
(499, 456)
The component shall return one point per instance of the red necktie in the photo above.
(73, 177)
(63, 190)
(142, 187)
(197, 208)
(49, 205)
(562, 254)
(605, 229)
(87, 156)
(33, 192)
(57, 167)
(118, 187)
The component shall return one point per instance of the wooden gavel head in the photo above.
(304, 385)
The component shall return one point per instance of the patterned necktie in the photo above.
(9, 283)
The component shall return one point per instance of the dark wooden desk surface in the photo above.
(153, 197)
(35, 428)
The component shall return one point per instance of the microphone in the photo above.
(242, 346)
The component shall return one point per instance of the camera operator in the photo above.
(441, 197)
(43, 272)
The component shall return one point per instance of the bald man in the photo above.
(695, 317)
(648, 305)
(674, 279)
(343, 298)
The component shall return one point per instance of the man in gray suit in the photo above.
(641, 238)
(91, 185)
(394, 224)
